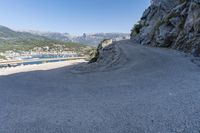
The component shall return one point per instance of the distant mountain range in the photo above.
(20, 41)
(9, 35)
(87, 39)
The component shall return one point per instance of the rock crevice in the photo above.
(171, 23)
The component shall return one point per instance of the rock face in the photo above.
(106, 43)
(171, 23)
(107, 57)
(100, 52)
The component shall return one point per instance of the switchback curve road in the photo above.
(154, 90)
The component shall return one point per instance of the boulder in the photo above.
(105, 43)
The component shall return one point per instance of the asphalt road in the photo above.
(154, 90)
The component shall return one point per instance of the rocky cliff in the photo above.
(170, 23)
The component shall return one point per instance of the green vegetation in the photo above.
(170, 16)
(94, 56)
(182, 1)
(166, 20)
(136, 29)
(2, 57)
(27, 45)
(181, 25)
(21, 41)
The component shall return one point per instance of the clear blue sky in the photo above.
(72, 16)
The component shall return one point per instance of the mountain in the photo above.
(87, 39)
(8, 34)
(65, 37)
(11, 40)
(172, 24)
(95, 39)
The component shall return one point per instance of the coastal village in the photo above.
(45, 53)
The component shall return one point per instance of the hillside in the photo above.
(172, 24)
(6, 34)
(11, 40)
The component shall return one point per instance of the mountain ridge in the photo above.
(92, 39)
(19, 42)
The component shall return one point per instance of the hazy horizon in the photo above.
(74, 17)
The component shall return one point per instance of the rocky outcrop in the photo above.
(106, 43)
(171, 23)
(104, 47)
(107, 57)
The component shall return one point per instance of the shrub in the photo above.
(136, 29)
(94, 55)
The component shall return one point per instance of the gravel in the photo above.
(153, 91)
